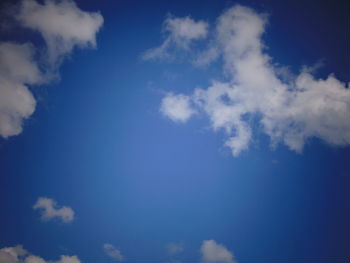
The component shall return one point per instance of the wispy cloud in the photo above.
(63, 26)
(18, 254)
(113, 252)
(290, 110)
(181, 32)
(50, 210)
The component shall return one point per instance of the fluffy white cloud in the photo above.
(12, 254)
(63, 26)
(113, 252)
(19, 255)
(213, 252)
(50, 210)
(181, 33)
(17, 70)
(289, 111)
(177, 107)
(174, 248)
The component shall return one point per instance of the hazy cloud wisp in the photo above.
(181, 32)
(174, 248)
(113, 252)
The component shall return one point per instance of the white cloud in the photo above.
(181, 33)
(50, 210)
(206, 57)
(63, 26)
(175, 248)
(19, 255)
(113, 252)
(177, 107)
(290, 110)
(213, 252)
(12, 254)
(17, 70)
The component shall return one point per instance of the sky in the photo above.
(174, 131)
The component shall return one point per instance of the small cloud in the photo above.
(176, 107)
(213, 252)
(50, 210)
(174, 248)
(113, 252)
(181, 32)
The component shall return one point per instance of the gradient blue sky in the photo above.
(98, 143)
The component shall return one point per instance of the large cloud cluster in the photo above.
(290, 111)
(63, 26)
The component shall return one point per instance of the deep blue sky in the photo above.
(98, 143)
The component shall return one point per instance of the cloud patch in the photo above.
(17, 70)
(50, 210)
(213, 252)
(113, 252)
(177, 107)
(174, 248)
(289, 110)
(18, 254)
(181, 32)
(63, 26)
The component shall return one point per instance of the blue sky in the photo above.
(174, 131)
